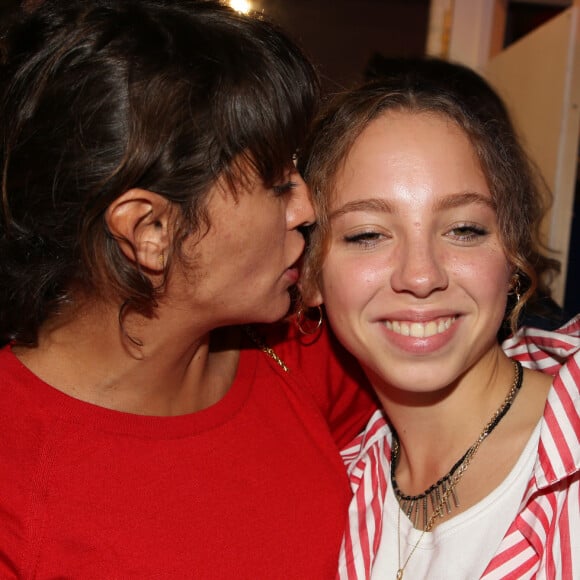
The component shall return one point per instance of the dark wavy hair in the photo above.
(101, 96)
(461, 95)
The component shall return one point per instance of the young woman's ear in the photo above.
(315, 298)
(139, 220)
(310, 294)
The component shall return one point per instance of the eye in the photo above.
(284, 188)
(467, 232)
(365, 239)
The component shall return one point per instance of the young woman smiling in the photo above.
(427, 246)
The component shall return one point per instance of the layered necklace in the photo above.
(427, 507)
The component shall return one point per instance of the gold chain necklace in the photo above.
(445, 487)
(253, 335)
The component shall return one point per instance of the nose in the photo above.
(300, 210)
(419, 269)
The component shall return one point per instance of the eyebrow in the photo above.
(383, 206)
(464, 198)
(371, 204)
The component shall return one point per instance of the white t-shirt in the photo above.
(461, 547)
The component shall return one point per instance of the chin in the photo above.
(274, 312)
(409, 380)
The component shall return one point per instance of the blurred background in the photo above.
(341, 36)
(529, 51)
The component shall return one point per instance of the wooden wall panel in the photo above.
(539, 78)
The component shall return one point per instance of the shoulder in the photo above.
(319, 361)
(564, 395)
(556, 353)
(12, 371)
(559, 449)
(372, 443)
(319, 366)
(545, 350)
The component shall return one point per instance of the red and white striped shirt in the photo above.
(543, 542)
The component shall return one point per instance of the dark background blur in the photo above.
(341, 36)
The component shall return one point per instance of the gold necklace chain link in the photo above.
(252, 334)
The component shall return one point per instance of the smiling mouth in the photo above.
(420, 329)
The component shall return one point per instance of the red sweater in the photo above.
(252, 487)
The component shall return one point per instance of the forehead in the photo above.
(410, 150)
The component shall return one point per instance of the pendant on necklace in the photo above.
(400, 574)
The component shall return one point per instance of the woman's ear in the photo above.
(139, 220)
(315, 298)
(310, 293)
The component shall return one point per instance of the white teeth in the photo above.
(431, 328)
(419, 329)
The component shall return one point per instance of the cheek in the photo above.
(349, 282)
(485, 278)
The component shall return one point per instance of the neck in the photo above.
(154, 366)
(436, 429)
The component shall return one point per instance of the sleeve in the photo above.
(333, 377)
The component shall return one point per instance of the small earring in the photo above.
(516, 286)
(306, 325)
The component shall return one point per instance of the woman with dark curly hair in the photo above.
(428, 245)
(150, 210)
